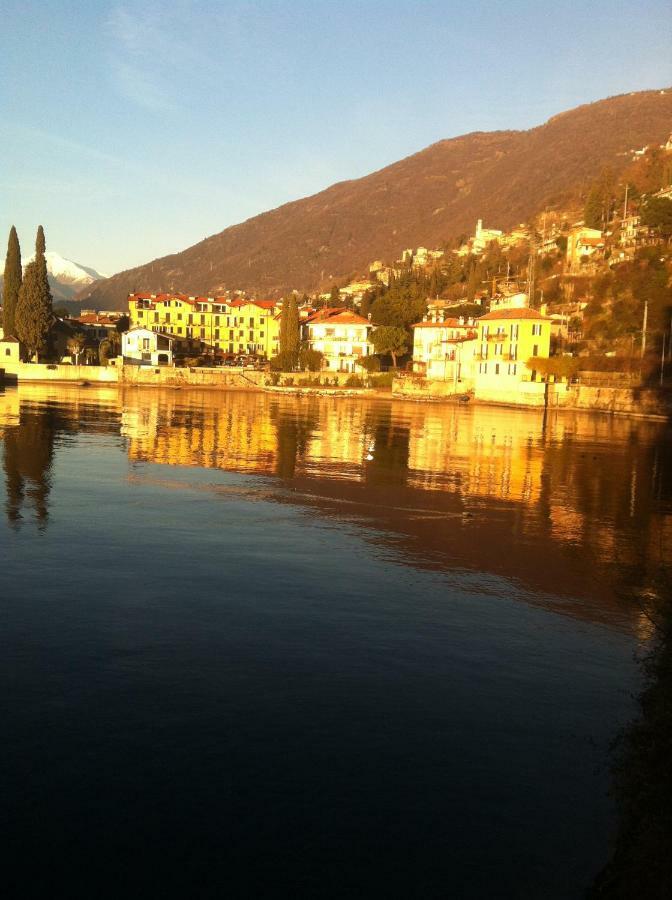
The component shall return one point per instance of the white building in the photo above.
(483, 237)
(341, 336)
(142, 346)
(443, 349)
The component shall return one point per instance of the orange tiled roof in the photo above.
(447, 323)
(338, 315)
(525, 313)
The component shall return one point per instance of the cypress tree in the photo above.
(283, 324)
(12, 283)
(292, 333)
(34, 312)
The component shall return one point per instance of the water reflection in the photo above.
(27, 463)
(571, 504)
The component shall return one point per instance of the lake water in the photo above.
(258, 646)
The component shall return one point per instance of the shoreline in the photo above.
(340, 392)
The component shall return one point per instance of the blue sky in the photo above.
(133, 130)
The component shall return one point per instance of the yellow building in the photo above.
(228, 326)
(507, 339)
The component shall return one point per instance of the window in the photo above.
(251, 322)
(202, 320)
(484, 351)
(145, 343)
(217, 333)
(156, 317)
(535, 350)
(496, 368)
(231, 337)
(202, 332)
(536, 329)
(512, 368)
(513, 351)
(485, 330)
(8, 352)
(499, 349)
(140, 314)
(514, 332)
(179, 317)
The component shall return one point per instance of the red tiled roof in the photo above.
(590, 241)
(512, 314)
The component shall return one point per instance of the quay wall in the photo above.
(47, 372)
(427, 389)
(166, 376)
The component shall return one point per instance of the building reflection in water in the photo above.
(556, 501)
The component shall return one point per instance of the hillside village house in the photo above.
(341, 336)
(582, 244)
(443, 349)
(219, 324)
(507, 339)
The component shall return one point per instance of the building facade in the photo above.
(144, 346)
(341, 336)
(582, 245)
(443, 349)
(508, 342)
(219, 324)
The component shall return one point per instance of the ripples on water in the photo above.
(265, 645)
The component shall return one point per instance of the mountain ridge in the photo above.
(427, 198)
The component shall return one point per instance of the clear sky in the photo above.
(134, 130)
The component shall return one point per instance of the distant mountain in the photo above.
(67, 279)
(503, 177)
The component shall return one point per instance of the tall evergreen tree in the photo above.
(34, 311)
(12, 283)
(283, 324)
(292, 332)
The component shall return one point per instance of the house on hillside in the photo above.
(583, 245)
(341, 336)
(443, 349)
(483, 237)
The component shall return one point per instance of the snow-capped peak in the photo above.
(66, 271)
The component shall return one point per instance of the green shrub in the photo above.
(284, 362)
(369, 363)
(354, 381)
(382, 382)
(310, 360)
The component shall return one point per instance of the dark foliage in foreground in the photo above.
(642, 862)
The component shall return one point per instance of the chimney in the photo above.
(543, 309)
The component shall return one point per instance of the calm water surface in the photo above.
(258, 646)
